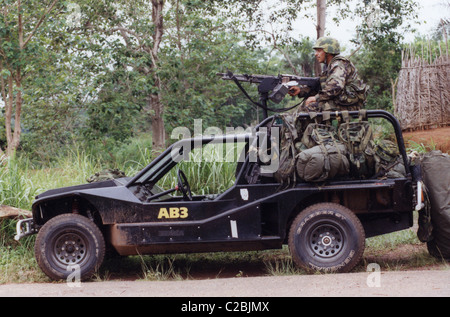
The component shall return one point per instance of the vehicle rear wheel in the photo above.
(327, 237)
(69, 245)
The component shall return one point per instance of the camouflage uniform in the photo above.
(341, 87)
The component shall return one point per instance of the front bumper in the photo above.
(25, 227)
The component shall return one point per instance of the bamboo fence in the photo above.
(423, 89)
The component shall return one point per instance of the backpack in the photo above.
(358, 139)
(435, 166)
(322, 162)
(388, 161)
(285, 173)
(325, 156)
(316, 133)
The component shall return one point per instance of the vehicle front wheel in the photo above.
(69, 246)
(327, 237)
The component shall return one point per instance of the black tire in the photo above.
(327, 237)
(438, 252)
(69, 242)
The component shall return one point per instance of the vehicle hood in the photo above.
(83, 187)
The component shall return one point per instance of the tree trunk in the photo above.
(12, 135)
(320, 27)
(158, 128)
(11, 89)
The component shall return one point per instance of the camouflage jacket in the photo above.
(341, 85)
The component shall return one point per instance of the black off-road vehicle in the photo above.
(325, 223)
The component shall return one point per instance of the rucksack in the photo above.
(357, 137)
(317, 133)
(388, 162)
(325, 156)
(322, 162)
(435, 166)
(288, 137)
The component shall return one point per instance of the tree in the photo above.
(197, 46)
(158, 129)
(264, 23)
(320, 27)
(20, 54)
(118, 39)
(171, 64)
(381, 36)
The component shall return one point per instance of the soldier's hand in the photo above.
(310, 100)
(294, 91)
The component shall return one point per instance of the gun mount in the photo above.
(273, 88)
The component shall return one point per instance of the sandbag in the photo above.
(436, 177)
(322, 162)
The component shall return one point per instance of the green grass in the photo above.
(420, 147)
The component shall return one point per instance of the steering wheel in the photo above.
(183, 185)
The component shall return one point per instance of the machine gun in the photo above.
(273, 88)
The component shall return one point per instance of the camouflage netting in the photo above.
(423, 92)
(104, 175)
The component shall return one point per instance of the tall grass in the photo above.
(208, 171)
(16, 188)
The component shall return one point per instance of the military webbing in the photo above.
(286, 169)
(357, 136)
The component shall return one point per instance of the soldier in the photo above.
(341, 87)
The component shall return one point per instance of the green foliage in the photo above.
(425, 48)
(192, 89)
(90, 83)
(16, 188)
(385, 19)
(26, 30)
(381, 35)
(379, 64)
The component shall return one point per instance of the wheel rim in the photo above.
(70, 248)
(326, 240)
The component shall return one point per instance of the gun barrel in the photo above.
(276, 85)
(256, 79)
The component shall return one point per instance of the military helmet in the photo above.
(328, 44)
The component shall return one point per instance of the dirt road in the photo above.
(424, 283)
(438, 139)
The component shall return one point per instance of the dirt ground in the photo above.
(388, 273)
(438, 138)
(423, 283)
